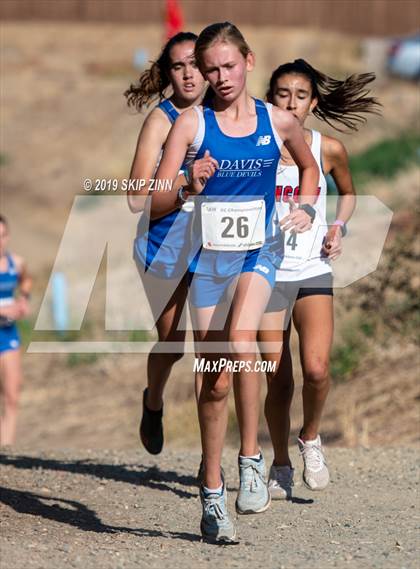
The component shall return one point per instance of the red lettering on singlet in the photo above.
(283, 193)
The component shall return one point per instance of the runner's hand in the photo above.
(332, 243)
(201, 171)
(298, 221)
(12, 311)
(25, 309)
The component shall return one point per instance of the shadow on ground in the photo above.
(151, 477)
(75, 514)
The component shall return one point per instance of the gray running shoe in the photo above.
(216, 526)
(253, 496)
(315, 471)
(280, 482)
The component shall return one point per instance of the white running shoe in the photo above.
(315, 471)
(280, 482)
(253, 496)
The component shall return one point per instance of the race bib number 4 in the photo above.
(300, 247)
(233, 226)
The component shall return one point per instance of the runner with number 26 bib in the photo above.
(233, 143)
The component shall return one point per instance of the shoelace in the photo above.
(313, 457)
(252, 477)
(212, 507)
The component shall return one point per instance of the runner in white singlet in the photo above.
(304, 281)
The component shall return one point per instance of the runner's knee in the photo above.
(242, 343)
(173, 358)
(316, 374)
(218, 389)
(170, 357)
(282, 390)
(11, 399)
(273, 374)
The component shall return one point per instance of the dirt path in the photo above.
(127, 510)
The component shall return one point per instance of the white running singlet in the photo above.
(302, 251)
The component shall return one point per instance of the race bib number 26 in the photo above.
(231, 226)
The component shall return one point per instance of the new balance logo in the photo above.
(262, 268)
(264, 140)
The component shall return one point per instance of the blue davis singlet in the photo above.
(234, 213)
(9, 337)
(161, 246)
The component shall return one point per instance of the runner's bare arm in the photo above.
(335, 161)
(291, 133)
(25, 279)
(179, 139)
(149, 144)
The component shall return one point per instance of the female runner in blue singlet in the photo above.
(235, 141)
(160, 248)
(304, 280)
(13, 276)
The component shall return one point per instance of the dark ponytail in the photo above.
(340, 102)
(155, 80)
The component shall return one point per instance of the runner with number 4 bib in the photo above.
(304, 281)
(235, 142)
(161, 246)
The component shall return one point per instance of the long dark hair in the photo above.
(338, 101)
(155, 80)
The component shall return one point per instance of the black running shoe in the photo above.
(151, 428)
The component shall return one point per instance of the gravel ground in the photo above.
(116, 510)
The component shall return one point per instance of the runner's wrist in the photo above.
(309, 210)
(342, 225)
(183, 195)
(187, 176)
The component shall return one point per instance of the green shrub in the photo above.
(25, 328)
(74, 360)
(344, 360)
(139, 336)
(347, 355)
(386, 158)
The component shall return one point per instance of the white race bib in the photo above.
(300, 247)
(233, 226)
